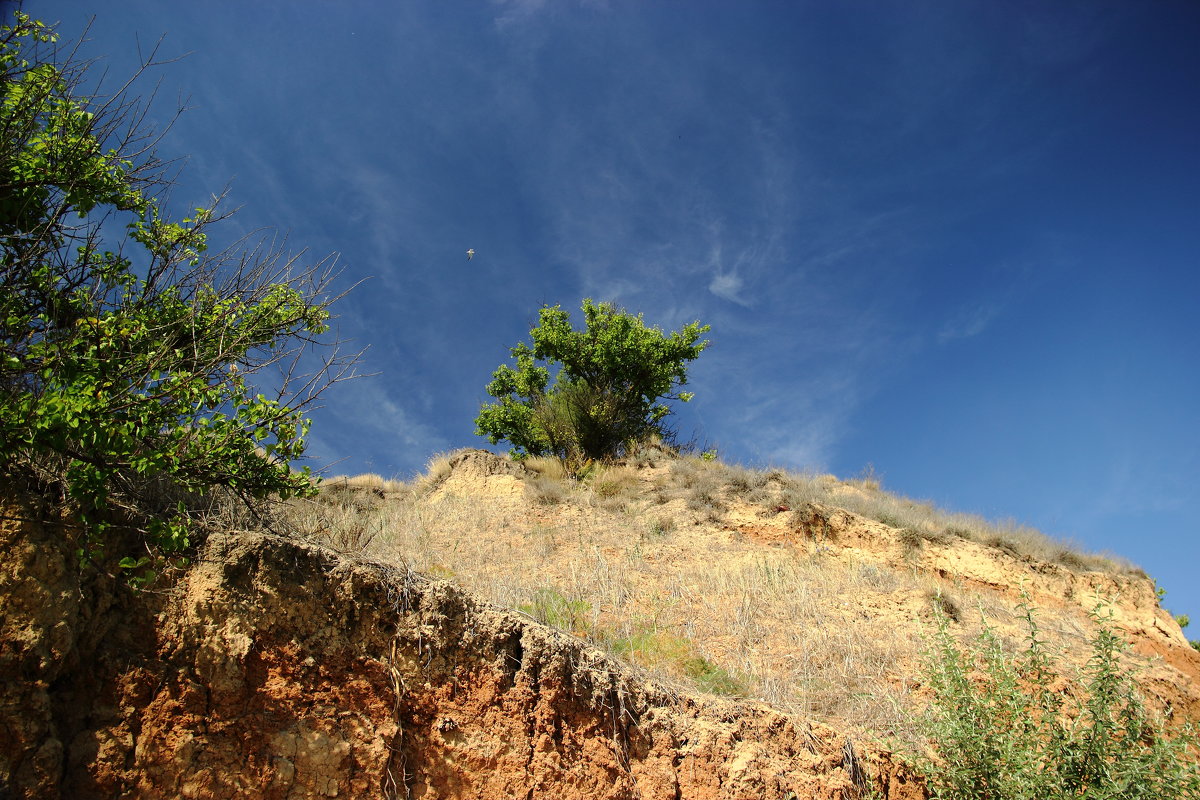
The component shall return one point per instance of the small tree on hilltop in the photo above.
(607, 393)
(136, 368)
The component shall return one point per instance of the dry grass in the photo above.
(935, 525)
(546, 491)
(646, 562)
(916, 519)
(369, 481)
(617, 481)
(547, 467)
(437, 470)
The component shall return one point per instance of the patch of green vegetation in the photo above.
(138, 365)
(551, 607)
(662, 525)
(1000, 729)
(911, 539)
(658, 649)
(711, 678)
(441, 571)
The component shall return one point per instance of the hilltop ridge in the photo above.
(810, 592)
(672, 627)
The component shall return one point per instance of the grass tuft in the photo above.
(546, 491)
(547, 467)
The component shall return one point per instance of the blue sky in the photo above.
(957, 241)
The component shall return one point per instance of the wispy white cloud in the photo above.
(627, 202)
(368, 414)
(794, 421)
(728, 286)
(513, 12)
(809, 446)
(969, 322)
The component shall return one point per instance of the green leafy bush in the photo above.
(1002, 728)
(605, 397)
(133, 361)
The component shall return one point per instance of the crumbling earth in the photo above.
(277, 669)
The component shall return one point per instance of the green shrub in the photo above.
(136, 367)
(605, 397)
(1001, 730)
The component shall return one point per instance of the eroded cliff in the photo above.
(276, 669)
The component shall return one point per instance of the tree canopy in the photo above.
(132, 357)
(609, 383)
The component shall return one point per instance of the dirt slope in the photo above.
(820, 609)
(281, 670)
(276, 668)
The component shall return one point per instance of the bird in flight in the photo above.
(470, 254)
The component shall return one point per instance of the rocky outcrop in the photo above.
(275, 669)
